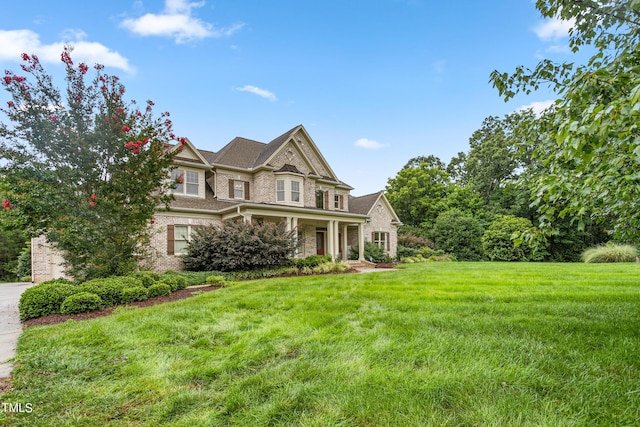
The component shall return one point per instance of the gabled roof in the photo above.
(364, 205)
(272, 147)
(239, 153)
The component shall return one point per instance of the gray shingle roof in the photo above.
(363, 204)
(239, 153)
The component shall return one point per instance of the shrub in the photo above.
(237, 246)
(159, 289)
(215, 280)
(499, 243)
(372, 252)
(44, 299)
(310, 261)
(611, 252)
(136, 293)
(459, 234)
(175, 282)
(146, 278)
(110, 289)
(81, 302)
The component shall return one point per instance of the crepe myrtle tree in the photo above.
(87, 169)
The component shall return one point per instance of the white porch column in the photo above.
(287, 224)
(294, 223)
(345, 255)
(330, 240)
(361, 242)
(336, 240)
(247, 218)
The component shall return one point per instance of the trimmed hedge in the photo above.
(175, 282)
(147, 278)
(82, 302)
(110, 290)
(44, 299)
(159, 289)
(136, 293)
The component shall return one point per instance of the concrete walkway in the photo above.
(10, 326)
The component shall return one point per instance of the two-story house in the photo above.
(287, 179)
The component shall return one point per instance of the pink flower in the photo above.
(7, 79)
(6, 204)
(64, 57)
(92, 203)
(125, 128)
(182, 140)
(119, 110)
(25, 57)
(53, 117)
(83, 68)
(10, 104)
(180, 179)
(93, 196)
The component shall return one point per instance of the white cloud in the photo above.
(554, 29)
(176, 21)
(369, 144)
(258, 91)
(538, 107)
(15, 42)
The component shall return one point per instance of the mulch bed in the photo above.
(174, 296)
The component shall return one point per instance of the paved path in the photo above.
(10, 326)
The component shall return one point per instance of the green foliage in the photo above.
(146, 278)
(109, 289)
(175, 282)
(23, 268)
(499, 240)
(216, 280)
(159, 289)
(372, 252)
(588, 153)
(82, 302)
(310, 261)
(44, 299)
(82, 166)
(239, 246)
(419, 190)
(136, 293)
(611, 252)
(459, 234)
(12, 242)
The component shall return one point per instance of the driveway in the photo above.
(10, 326)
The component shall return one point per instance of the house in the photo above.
(286, 180)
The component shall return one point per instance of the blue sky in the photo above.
(374, 82)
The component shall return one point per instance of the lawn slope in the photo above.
(433, 344)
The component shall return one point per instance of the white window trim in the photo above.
(288, 180)
(185, 172)
(176, 239)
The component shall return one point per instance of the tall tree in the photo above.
(86, 169)
(589, 148)
(418, 192)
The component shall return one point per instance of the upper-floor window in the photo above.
(187, 182)
(338, 201)
(289, 190)
(322, 199)
(238, 189)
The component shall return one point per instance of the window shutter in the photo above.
(246, 191)
(170, 239)
(326, 200)
(386, 238)
(231, 189)
(341, 202)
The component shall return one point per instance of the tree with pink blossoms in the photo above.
(85, 168)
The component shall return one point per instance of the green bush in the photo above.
(310, 261)
(82, 302)
(146, 278)
(136, 293)
(110, 289)
(215, 280)
(499, 240)
(175, 282)
(159, 289)
(611, 252)
(44, 299)
(459, 234)
(239, 246)
(372, 252)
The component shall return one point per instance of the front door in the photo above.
(320, 243)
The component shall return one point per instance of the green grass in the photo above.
(442, 344)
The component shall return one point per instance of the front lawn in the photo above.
(434, 344)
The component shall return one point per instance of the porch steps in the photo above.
(359, 264)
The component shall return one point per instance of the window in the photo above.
(338, 201)
(188, 182)
(178, 237)
(280, 196)
(238, 190)
(381, 239)
(289, 190)
(320, 199)
(295, 191)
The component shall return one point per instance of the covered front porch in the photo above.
(319, 232)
